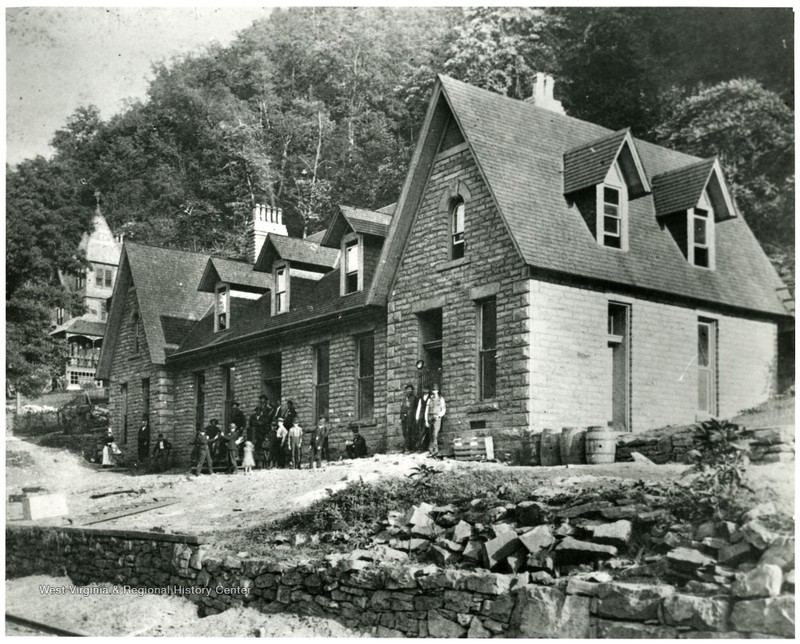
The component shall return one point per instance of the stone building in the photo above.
(545, 271)
(84, 333)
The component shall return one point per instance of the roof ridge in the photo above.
(710, 161)
(129, 244)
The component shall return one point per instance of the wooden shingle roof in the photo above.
(235, 273)
(300, 252)
(681, 189)
(519, 150)
(588, 164)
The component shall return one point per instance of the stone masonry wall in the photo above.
(297, 383)
(393, 600)
(570, 353)
(427, 278)
(130, 367)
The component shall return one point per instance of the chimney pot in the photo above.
(542, 95)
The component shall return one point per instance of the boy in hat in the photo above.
(407, 419)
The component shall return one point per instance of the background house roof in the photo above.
(80, 326)
(519, 149)
(235, 273)
(100, 245)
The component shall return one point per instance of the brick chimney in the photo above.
(266, 220)
(543, 93)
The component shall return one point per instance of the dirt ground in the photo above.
(113, 615)
(221, 503)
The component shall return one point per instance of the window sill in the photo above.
(362, 423)
(483, 407)
(453, 263)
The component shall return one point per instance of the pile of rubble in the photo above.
(621, 539)
(674, 444)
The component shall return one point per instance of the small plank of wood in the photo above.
(101, 495)
(126, 512)
(43, 627)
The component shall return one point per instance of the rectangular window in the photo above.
(80, 280)
(98, 275)
(228, 379)
(612, 218)
(60, 315)
(366, 376)
(199, 400)
(280, 290)
(351, 266)
(701, 241)
(146, 396)
(221, 305)
(271, 377)
(124, 413)
(487, 322)
(321, 380)
(458, 245)
(707, 367)
(109, 276)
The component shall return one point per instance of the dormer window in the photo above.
(457, 242)
(352, 264)
(612, 217)
(701, 235)
(612, 211)
(351, 277)
(281, 297)
(221, 307)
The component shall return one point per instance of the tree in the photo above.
(751, 130)
(43, 228)
(501, 48)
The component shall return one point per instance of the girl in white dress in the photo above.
(248, 463)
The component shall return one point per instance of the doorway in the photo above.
(619, 343)
(430, 349)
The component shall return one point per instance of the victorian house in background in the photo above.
(84, 334)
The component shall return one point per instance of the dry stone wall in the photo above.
(397, 599)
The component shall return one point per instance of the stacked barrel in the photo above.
(572, 446)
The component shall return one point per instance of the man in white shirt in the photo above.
(434, 412)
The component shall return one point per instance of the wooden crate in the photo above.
(474, 449)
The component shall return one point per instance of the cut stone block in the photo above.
(688, 559)
(616, 534)
(532, 513)
(633, 631)
(631, 601)
(539, 538)
(773, 616)
(734, 554)
(43, 506)
(765, 580)
(544, 612)
(462, 532)
(573, 550)
(757, 534)
(497, 549)
(701, 613)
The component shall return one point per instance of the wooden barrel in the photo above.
(535, 449)
(573, 445)
(601, 445)
(550, 450)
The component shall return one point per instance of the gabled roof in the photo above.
(300, 252)
(166, 289)
(316, 237)
(519, 151)
(239, 275)
(100, 245)
(681, 189)
(389, 210)
(588, 164)
(359, 220)
(81, 326)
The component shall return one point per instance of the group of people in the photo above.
(421, 419)
(160, 457)
(272, 437)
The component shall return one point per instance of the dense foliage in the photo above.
(313, 107)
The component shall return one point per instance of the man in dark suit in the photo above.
(423, 431)
(143, 439)
(238, 418)
(232, 440)
(204, 454)
(408, 421)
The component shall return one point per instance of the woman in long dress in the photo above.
(108, 450)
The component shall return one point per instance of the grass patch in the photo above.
(19, 459)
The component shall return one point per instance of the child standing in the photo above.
(319, 438)
(295, 442)
(248, 463)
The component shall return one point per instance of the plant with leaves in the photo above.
(422, 476)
